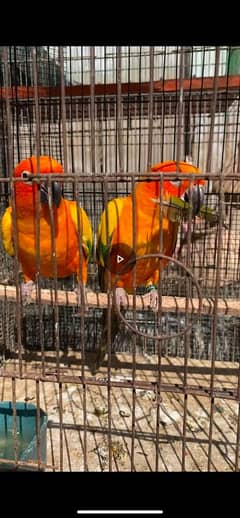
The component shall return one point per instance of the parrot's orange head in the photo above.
(26, 191)
(176, 186)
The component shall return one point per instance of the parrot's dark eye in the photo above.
(26, 176)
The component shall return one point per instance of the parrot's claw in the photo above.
(153, 300)
(26, 292)
(121, 297)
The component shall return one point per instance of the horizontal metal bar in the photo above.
(27, 464)
(91, 177)
(82, 178)
(145, 436)
(229, 307)
(128, 383)
(166, 86)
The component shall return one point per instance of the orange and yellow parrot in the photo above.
(65, 218)
(115, 234)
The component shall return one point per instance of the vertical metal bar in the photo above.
(180, 105)
(3, 165)
(139, 107)
(38, 208)
(82, 330)
(82, 115)
(49, 106)
(159, 325)
(226, 142)
(14, 421)
(36, 100)
(238, 424)
(38, 422)
(13, 205)
(119, 107)
(128, 109)
(172, 102)
(187, 111)
(105, 106)
(92, 107)
(213, 110)
(215, 307)
(163, 107)
(55, 284)
(61, 426)
(14, 71)
(238, 146)
(187, 334)
(92, 117)
(201, 104)
(63, 111)
(109, 333)
(227, 160)
(73, 111)
(134, 245)
(150, 109)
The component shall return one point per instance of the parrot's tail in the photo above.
(102, 349)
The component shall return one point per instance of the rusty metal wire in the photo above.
(189, 273)
(168, 390)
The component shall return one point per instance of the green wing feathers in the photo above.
(85, 229)
(108, 224)
(7, 231)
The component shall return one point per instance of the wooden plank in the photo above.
(230, 307)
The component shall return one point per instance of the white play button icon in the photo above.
(119, 259)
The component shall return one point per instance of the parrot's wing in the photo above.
(108, 224)
(85, 226)
(7, 231)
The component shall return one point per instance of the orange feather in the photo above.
(147, 235)
(65, 227)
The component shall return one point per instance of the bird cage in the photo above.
(108, 115)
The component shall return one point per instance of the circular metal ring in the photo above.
(188, 272)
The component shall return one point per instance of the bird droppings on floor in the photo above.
(156, 441)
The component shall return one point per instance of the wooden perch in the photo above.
(229, 307)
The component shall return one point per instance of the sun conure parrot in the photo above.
(120, 233)
(65, 226)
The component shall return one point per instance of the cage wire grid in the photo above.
(107, 114)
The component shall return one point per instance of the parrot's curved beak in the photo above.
(197, 198)
(56, 193)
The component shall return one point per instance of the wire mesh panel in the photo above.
(165, 396)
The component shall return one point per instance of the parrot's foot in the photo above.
(26, 291)
(154, 299)
(121, 297)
